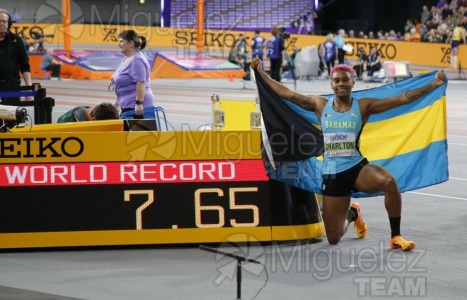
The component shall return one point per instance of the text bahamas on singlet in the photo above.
(340, 124)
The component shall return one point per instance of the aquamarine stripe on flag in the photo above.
(385, 91)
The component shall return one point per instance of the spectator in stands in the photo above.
(458, 35)
(445, 11)
(408, 25)
(392, 35)
(444, 33)
(359, 66)
(431, 37)
(257, 45)
(305, 22)
(340, 42)
(351, 34)
(436, 15)
(412, 36)
(275, 47)
(425, 14)
(131, 80)
(462, 11)
(103, 111)
(461, 3)
(49, 63)
(373, 62)
(13, 58)
(441, 3)
(371, 35)
(380, 35)
(328, 52)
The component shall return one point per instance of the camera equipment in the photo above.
(283, 33)
(12, 116)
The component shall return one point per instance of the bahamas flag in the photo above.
(409, 141)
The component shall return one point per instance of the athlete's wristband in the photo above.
(138, 102)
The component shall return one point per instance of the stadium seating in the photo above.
(239, 14)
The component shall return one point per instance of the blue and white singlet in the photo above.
(341, 132)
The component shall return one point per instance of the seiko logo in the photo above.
(40, 147)
(385, 50)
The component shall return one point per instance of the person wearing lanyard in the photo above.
(131, 80)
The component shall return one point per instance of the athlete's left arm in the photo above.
(376, 106)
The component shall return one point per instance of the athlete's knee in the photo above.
(333, 237)
(390, 183)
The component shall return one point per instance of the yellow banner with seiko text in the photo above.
(129, 146)
(220, 41)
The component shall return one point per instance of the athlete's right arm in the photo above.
(306, 102)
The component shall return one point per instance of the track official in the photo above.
(13, 57)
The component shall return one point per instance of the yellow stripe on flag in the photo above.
(404, 134)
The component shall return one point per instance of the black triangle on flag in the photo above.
(291, 138)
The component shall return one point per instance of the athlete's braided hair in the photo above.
(343, 67)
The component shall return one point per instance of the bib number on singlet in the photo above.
(339, 144)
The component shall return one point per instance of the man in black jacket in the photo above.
(13, 57)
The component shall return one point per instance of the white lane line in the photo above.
(455, 178)
(438, 196)
(457, 144)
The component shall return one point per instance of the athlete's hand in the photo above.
(256, 64)
(440, 78)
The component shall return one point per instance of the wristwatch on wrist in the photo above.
(139, 102)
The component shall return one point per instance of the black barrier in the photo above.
(42, 104)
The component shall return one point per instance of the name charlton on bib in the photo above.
(339, 144)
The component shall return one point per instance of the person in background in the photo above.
(373, 62)
(131, 79)
(13, 58)
(275, 47)
(340, 42)
(103, 111)
(458, 35)
(290, 59)
(242, 55)
(328, 51)
(359, 66)
(412, 35)
(15, 16)
(49, 63)
(426, 14)
(257, 45)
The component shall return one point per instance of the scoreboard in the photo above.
(127, 188)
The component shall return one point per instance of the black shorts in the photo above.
(343, 183)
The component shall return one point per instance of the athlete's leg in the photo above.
(374, 179)
(335, 211)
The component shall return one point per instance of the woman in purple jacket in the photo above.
(132, 77)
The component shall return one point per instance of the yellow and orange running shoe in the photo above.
(360, 227)
(398, 242)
